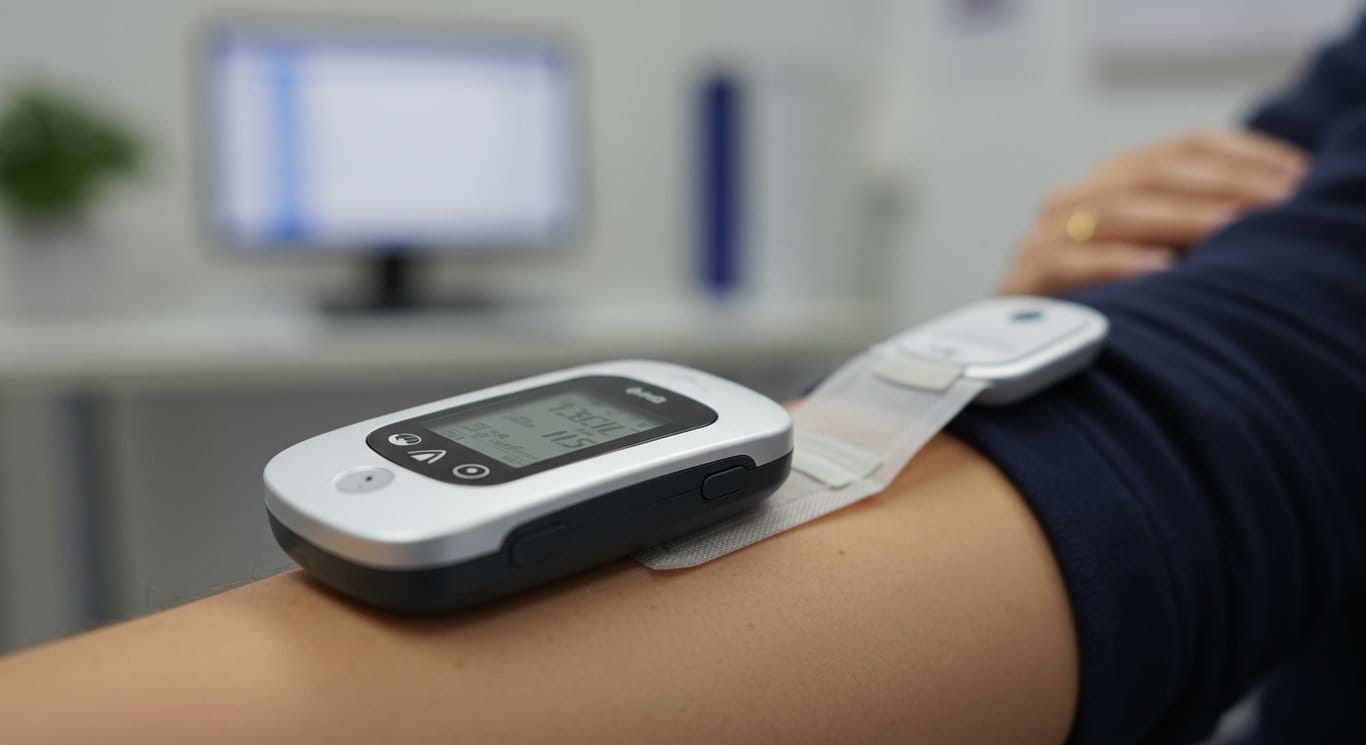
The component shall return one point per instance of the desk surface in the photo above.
(177, 350)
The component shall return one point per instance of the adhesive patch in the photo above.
(854, 434)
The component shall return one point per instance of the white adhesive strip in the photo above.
(917, 373)
(833, 462)
(861, 422)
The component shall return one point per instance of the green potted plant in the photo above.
(58, 156)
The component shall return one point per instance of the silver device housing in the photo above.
(417, 522)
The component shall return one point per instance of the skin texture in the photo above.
(932, 613)
(1149, 205)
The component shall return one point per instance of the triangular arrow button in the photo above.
(426, 456)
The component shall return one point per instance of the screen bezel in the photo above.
(680, 414)
(568, 232)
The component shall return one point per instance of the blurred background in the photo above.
(226, 227)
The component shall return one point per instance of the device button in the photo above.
(725, 483)
(362, 480)
(427, 456)
(541, 545)
(404, 439)
(470, 471)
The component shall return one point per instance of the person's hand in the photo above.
(1132, 215)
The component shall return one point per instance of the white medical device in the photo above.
(1015, 346)
(480, 495)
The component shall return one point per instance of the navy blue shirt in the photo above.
(1203, 486)
(1334, 85)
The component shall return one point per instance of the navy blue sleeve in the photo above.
(1334, 83)
(1203, 486)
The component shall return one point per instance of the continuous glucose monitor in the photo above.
(859, 427)
(477, 496)
(466, 499)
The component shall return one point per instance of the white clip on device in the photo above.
(1014, 346)
(484, 494)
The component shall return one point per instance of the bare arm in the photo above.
(931, 613)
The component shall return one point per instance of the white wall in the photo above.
(135, 56)
(641, 62)
(985, 145)
(977, 151)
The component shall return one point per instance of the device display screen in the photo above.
(515, 435)
(533, 431)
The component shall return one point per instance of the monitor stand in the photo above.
(393, 287)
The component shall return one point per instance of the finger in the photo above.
(1218, 179)
(1078, 267)
(1251, 149)
(1157, 219)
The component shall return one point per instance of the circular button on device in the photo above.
(470, 471)
(365, 479)
(404, 439)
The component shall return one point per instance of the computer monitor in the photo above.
(386, 142)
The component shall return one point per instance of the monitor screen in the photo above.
(366, 139)
(532, 431)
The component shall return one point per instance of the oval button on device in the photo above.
(365, 479)
(725, 483)
(471, 471)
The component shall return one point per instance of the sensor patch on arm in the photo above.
(859, 428)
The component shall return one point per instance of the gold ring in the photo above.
(1081, 225)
